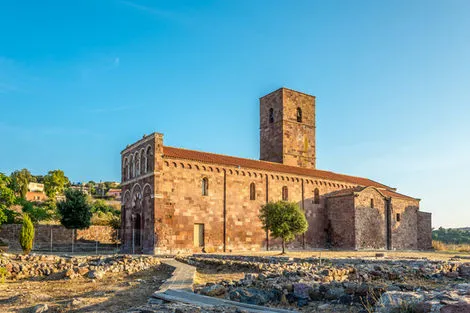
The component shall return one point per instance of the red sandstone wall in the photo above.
(341, 215)
(271, 133)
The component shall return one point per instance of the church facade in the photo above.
(178, 200)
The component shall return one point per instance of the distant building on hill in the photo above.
(35, 192)
(114, 193)
(82, 188)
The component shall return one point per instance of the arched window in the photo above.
(252, 191)
(128, 169)
(271, 115)
(124, 169)
(205, 186)
(299, 115)
(316, 196)
(148, 160)
(132, 175)
(137, 164)
(143, 162)
(285, 193)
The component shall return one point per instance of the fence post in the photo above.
(51, 239)
(133, 240)
(96, 243)
(73, 232)
(117, 237)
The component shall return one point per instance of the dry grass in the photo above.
(210, 274)
(440, 246)
(114, 293)
(332, 254)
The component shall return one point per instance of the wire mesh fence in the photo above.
(56, 239)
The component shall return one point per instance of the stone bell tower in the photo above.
(287, 128)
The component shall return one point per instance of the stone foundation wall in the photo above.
(60, 235)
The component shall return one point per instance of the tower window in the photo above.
(271, 115)
(252, 191)
(205, 186)
(299, 115)
(398, 217)
(371, 203)
(285, 193)
(316, 196)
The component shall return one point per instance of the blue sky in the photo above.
(81, 79)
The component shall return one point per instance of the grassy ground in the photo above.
(114, 293)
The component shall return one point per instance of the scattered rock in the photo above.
(96, 274)
(39, 308)
(213, 290)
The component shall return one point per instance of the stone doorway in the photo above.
(137, 234)
(199, 235)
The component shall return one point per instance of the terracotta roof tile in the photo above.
(386, 192)
(179, 153)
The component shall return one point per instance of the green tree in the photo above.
(75, 212)
(20, 180)
(55, 183)
(7, 197)
(38, 212)
(284, 220)
(27, 234)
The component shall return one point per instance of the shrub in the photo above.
(3, 274)
(27, 234)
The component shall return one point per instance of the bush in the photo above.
(27, 234)
(3, 274)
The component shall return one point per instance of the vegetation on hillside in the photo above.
(451, 236)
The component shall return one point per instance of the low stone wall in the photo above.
(60, 235)
(24, 266)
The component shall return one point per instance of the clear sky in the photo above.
(81, 79)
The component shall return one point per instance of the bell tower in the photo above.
(287, 128)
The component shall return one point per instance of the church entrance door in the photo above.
(136, 234)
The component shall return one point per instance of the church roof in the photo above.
(384, 192)
(193, 155)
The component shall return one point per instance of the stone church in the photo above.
(179, 200)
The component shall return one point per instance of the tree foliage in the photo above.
(20, 180)
(451, 236)
(39, 212)
(27, 234)
(55, 183)
(7, 197)
(75, 211)
(284, 220)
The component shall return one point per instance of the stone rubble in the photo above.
(94, 267)
(382, 286)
